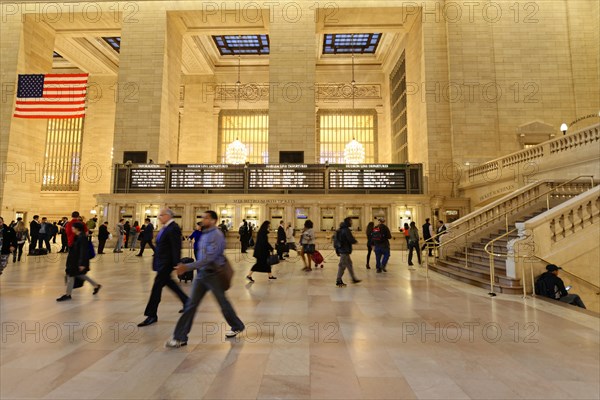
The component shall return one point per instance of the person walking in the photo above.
(370, 227)
(281, 240)
(63, 235)
(120, 235)
(22, 234)
(8, 243)
(211, 257)
(427, 237)
(69, 231)
(126, 232)
(413, 244)
(44, 234)
(146, 235)
(34, 231)
(262, 250)
(103, 236)
(405, 231)
(381, 235)
(244, 233)
(78, 261)
(307, 244)
(290, 240)
(343, 247)
(166, 258)
(134, 232)
(195, 236)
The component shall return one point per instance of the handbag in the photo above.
(273, 259)
(91, 250)
(225, 274)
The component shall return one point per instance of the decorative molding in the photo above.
(330, 91)
(247, 92)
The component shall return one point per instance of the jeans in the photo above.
(413, 246)
(119, 245)
(3, 261)
(44, 239)
(382, 255)
(369, 250)
(134, 239)
(71, 282)
(573, 299)
(345, 262)
(202, 284)
(18, 251)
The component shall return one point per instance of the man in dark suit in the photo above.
(34, 232)
(166, 257)
(281, 240)
(146, 235)
(102, 237)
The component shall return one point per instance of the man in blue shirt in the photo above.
(210, 257)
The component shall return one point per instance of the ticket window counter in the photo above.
(355, 213)
(300, 217)
(379, 212)
(405, 216)
(151, 211)
(127, 213)
(327, 219)
(276, 216)
(252, 215)
(224, 212)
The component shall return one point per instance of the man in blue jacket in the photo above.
(211, 256)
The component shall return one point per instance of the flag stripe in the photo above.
(51, 96)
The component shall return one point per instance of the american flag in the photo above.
(51, 96)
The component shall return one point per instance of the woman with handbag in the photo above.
(307, 244)
(262, 253)
(78, 261)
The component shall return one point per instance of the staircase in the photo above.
(462, 254)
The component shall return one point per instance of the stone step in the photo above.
(480, 273)
(476, 261)
(472, 280)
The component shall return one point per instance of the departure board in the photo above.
(287, 176)
(190, 177)
(148, 178)
(378, 176)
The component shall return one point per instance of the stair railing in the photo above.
(434, 241)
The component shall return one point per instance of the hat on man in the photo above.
(552, 268)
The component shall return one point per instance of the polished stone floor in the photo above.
(394, 336)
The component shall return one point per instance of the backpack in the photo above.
(377, 235)
(541, 289)
(337, 240)
(243, 230)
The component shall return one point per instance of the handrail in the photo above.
(492, 265)
(505, 214)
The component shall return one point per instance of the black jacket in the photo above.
(386, 235)
(147, 232)
(78, 256)
(555, 285)
(168, 247)
(103, 232)
(281, 236)
(346, 239)
(426, 232)
(9, 238)
(262, 248)
(34, 228)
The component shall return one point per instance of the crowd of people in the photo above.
(209, 256)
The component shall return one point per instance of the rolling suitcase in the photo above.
(318, 259)
(189, 275)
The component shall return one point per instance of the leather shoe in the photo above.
(148, 321)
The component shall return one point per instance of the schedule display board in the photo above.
(273, 178)
(206, 176)
(148, 176)
(367, 177)
(287, 176)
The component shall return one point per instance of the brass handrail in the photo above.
(512, 209)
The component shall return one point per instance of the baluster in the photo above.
(553, 230)
(561, 224)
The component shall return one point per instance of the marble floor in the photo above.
(397, 335)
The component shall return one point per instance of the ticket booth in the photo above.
(276, 216)
(327, 219)
(379, 212)
(127, 212)
(355, 214)
(300, 216)
(151, 211)
(404, 215)
(225, 212)
(252, 215)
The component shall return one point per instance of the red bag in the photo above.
(317, 258)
